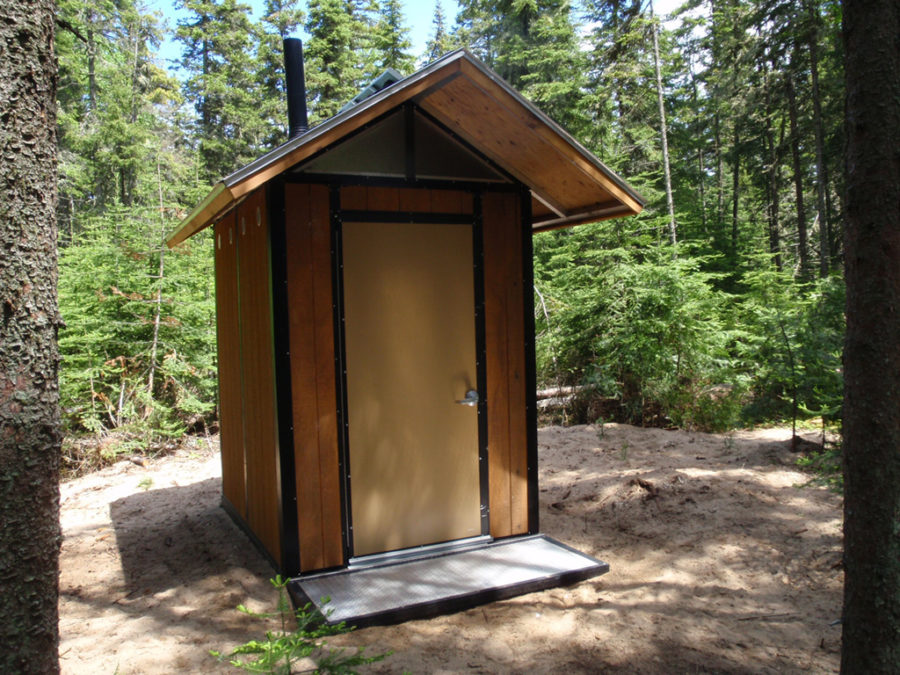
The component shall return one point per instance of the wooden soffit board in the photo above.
(568, 184)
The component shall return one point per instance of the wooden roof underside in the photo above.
(568, 184)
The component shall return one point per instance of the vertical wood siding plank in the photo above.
(383, 199)
(228, 334)
(496, 361)
(518, 420)
(411, 199)
(301, 279)
(505, 344)
(260, 429)
(354, 197)
(326, 390)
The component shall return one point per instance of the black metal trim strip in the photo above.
(480, 364)
(280, 303)
(242, 525)
(340, 369)
(415, 217)
(530, 364)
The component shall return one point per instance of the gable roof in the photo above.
(568, 184)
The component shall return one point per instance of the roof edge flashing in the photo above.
(215, 201)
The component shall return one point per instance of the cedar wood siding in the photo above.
(246, 372)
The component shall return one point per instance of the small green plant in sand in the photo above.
(600, 425)
(281, 649)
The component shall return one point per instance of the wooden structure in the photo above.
(375, 323)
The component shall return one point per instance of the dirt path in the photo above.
(720, 562)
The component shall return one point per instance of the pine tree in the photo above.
(106, 135)
(620, 73)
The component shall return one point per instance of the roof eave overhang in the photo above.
(590, 216)
(233, 188)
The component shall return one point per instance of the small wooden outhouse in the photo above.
(375, 318)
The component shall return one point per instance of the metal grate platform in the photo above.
(444, 583)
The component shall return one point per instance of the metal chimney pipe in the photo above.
(295, 85)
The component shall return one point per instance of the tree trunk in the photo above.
(720, 172)
(667, 174)
(92, 63)
(157, 316)
(802, 243)
(773, 185)
(735, 189)
(821, 179)
(701, 165)
(29, 319)
(871, 448)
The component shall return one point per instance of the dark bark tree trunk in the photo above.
(773, 184)
(701, 164)
(735, 189)
(871, 618)
(821, 177)
(720, 173)
(802, 243)
(29, 318)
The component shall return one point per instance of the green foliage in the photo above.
(534, 46)
(333, 72)
(390, 39)
(283, 648)
(281, 19)
(218, 59)
(439, 43)
(827, 467)
(789, 338)
(640, 327)
(730, 327)
(113, 303)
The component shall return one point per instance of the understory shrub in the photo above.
(138, 345)
(653, 339)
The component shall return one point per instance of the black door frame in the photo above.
(339, 216)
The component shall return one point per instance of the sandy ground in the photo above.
(722, 560)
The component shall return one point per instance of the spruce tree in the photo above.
(281, 19)
(29, 392)
(871, 561)
(439, 43)
(332, 70)
(218, 59)
(533, 46)
(390, 38)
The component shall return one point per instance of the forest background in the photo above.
(720, 305)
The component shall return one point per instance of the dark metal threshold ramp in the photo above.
(444, 583)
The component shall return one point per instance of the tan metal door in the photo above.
(409, 309)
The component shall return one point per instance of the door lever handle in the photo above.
(471, 398)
